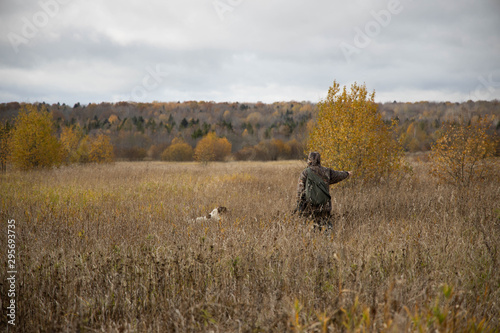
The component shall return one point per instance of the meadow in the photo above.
(111, 248)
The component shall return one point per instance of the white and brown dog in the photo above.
(215, 215)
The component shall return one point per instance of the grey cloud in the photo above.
(260, 49)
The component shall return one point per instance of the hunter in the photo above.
(313, 197)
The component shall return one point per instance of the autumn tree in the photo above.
(83, 150)
(222, 149)
(80, 148)
(414, 138)
(113, 119)
(283, 150)
(154, 152)
(70, 139)
(178, 151)
(33, 142)
(211, 148)
(101, 149)
(463, 154)
(351, 135)
(296, 149)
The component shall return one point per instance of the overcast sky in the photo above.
(73, 51)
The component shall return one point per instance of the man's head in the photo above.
(314, 159)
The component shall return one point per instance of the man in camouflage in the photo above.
(320, 214)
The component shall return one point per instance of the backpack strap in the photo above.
(319, 182)
(315, 174)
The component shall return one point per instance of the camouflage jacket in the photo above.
(330, 176)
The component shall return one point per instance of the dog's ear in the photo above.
(222, 209)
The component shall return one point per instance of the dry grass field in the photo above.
(109, 248)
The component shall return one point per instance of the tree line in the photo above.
(255, 131)
(32, 142)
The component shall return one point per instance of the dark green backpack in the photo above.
(317, 192)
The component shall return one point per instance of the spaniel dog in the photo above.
(215, 215)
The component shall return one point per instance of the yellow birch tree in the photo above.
(101, 149)
(178, 151)
(70, 140)
(33, 142)
(350, 134)
(211, 148)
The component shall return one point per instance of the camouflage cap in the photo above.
(313, 159)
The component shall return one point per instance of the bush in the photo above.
(70, 139)
(464, 153)
(101, 149)
(178, 151)
(33, 143)
(155, 151)
(212, 148)
(80, 148)
(134, 153)
(351, 135)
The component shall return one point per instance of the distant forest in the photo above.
(256, 131)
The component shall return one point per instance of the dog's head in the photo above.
(217, 212)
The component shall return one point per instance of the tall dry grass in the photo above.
(110, 248)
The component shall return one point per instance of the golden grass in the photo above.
(110, 248)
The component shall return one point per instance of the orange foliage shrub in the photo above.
(70, 141)
(179, 151)
(212, 148)
(464, 153)
(80, 148)
(101, 149)
(351, 135)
